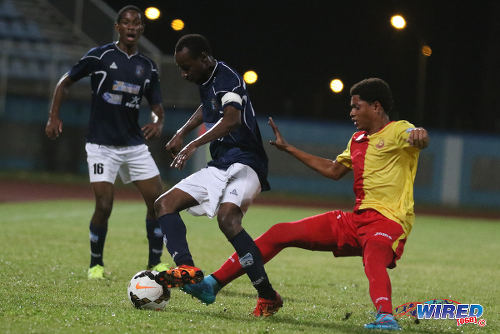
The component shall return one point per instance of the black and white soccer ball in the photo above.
(145, 293)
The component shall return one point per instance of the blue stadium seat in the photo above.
(4, 29)
(33, 31)
(8, 10)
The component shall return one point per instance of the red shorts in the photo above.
(353, 230)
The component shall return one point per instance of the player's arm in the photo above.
(154, 128)
(174, 145)
(326, 167)
(54, 124)
(419, 138)
(230, 121)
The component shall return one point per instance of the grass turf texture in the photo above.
(45, 254)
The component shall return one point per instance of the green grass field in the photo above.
(45, 254)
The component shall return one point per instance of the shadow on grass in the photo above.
(230, 293)
(302, 324)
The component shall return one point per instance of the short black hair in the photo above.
(195, 43)
(374, 89)
(127, 8)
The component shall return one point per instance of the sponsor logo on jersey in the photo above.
(113, 66)
(112, 98)
(134, 103)
(382, 234)
(234, 192)
(126, 87)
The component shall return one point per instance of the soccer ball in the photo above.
(145, 293)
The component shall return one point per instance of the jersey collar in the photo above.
(116, 46)
(211, 75)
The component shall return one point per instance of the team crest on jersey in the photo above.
(380, 144)
(139, 71)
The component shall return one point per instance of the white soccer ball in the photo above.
(145, 293)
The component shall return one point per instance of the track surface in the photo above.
(27, 191)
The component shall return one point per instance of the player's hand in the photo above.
(280, 142)
(54, 127)
(174, 145)
(152, 130)
(183, 156)
(419, 138)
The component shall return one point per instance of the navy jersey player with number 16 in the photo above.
(120, 77)
(230, 182)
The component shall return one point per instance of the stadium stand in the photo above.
(41, 39)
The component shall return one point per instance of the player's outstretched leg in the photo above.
(267, 307)
(385, 321)
(179, 276)
(205, 291)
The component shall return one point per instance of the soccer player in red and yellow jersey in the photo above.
(383, 156)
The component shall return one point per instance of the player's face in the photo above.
(196, 70)
(362, 113)
(130, 27)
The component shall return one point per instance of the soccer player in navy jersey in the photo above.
(233, 178)
(383, 155)
(120, 77)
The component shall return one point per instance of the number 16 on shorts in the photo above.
(98, 168)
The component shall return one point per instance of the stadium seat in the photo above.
(8, 10)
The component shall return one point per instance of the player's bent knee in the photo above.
(229, 224)
(161, 207)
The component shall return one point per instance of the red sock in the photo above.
(376, 257)
(313, 233)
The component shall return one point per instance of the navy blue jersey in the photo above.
(119, 82)
(244, 144)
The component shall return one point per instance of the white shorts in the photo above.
(210, 186)
(133, 163)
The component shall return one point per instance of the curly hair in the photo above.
(374, 89)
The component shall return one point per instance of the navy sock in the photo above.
(174, 232)
(97, 239)
(155, 241)
(251, 262)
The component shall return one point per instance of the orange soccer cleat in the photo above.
(267, 307)
(179, 276)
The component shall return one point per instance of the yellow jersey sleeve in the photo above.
(345, 157)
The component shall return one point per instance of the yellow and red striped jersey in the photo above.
(384, 166)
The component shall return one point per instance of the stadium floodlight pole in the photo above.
(399, 23)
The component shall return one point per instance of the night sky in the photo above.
(297, 47)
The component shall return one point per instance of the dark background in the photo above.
(297, 47)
